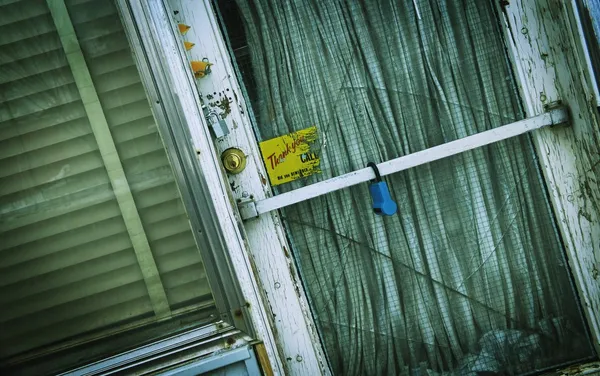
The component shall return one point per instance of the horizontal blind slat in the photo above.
(135, 308)
(83, 14)
(27, 29)
(102, 25)
(180, 259)
(30, 48)
(162, 210)
(15, 12)
(50, 271)
(26, 201)
(117, 79)
(62, 316)
(45, 137)
(123, 95)
(135, 129)
(7, 2)
(183, 275)
(46, 119)
(71, 3)
(52, 173)
(123, 115)
(45, 63)
(53, 81)
(168, 227)
(141, 146)
(97, 284)
(67, 265)
(36, 103)
(151, 180)
(113, 61)
(64, 151)
(104, 45)
(192, 292)
(173, 243)
(47, 209)
(149, 161)
(155, 207)
(62, 224)
(62, 241)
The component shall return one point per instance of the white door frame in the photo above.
(269, 253)
(159, 48)
(549, 63)
(541, 41)
(260, 257)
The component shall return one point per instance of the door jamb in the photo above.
(173, 93)
(264, 239)
(543, 50)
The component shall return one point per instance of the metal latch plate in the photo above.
(247, 208)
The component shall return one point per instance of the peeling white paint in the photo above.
(543, 45)
(283, 294)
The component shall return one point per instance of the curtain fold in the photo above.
(469, 276)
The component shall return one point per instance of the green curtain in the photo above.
(470, 275)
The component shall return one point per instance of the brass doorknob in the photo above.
(234, 160)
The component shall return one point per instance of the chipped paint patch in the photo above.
(578, 370)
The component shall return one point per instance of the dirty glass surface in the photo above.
(469, 277)
(80, 258)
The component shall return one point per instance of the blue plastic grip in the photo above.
(382, 200)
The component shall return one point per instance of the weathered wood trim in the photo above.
(543, 50)
(298, 343)
(263, 359)
(110, 157)
(182, 87)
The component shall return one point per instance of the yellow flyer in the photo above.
(291, 156)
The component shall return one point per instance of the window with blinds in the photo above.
(93, 232)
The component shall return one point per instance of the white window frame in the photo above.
(541, 40)
(174, 101)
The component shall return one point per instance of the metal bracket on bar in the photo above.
(247, 208)
(555, 115)
(564, 120)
